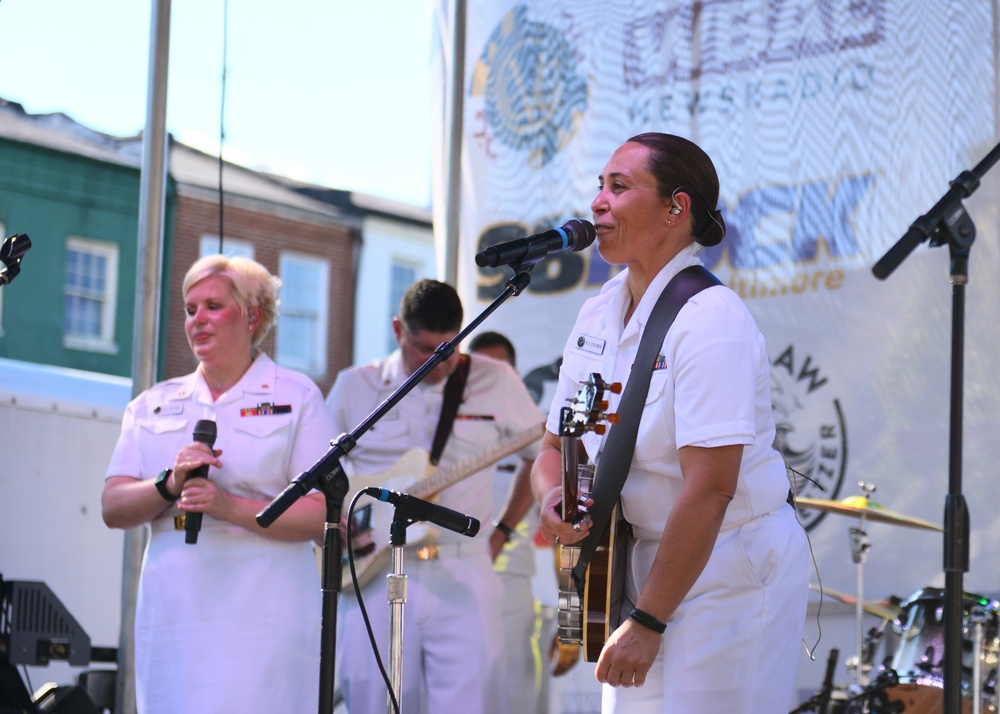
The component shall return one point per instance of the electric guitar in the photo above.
(588, 614)
(413, 475)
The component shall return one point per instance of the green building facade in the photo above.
(76, 194)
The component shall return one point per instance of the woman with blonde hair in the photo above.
(230, 622)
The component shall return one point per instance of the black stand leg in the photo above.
(335, 491)
(956, 514)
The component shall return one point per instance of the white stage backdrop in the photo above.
(833, 124)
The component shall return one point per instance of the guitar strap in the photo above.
(617, 456)
(453, 389)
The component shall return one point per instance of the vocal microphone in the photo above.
(575, 234)
(204, 433)
(11, 252)
(418, 510)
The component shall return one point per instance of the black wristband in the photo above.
(507, 531)
(161, 486)
(647, 620)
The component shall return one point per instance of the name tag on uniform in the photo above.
(594, 345)
(168, 409)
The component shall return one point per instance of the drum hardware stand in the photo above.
(977, 616)
(948, 222)
(872, 639)
(860, 545)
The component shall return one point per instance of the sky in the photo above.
(335, 92)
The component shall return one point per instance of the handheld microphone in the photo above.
(575, 234)
(204, 433)
(418, 510)
(11, 253)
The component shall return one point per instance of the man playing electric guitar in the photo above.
(452, 658)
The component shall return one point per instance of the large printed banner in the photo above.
(834, 124)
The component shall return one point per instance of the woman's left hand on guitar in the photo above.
(554, 529)
(628, 655)
(547, 484)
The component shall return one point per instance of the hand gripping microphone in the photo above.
(204, 433)
(575, 234)
(413, 508)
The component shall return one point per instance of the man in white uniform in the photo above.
(453, 635)
(526, 675)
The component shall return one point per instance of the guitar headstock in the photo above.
(588, 408)
(587, 411)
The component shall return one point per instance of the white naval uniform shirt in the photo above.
(204, 609)
(710, 388)
(495, 405)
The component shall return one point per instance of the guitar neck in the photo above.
(570, 469)
(443, 478)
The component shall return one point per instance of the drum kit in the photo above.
(911, 678)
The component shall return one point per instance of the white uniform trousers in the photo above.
(733, 644)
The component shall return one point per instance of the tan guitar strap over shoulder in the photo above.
(617, 456)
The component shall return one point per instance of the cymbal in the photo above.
(861, 506)
(886, 609)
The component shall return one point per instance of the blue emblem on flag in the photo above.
(534, 98)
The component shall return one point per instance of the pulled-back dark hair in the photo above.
(678, 164)
(432, 306)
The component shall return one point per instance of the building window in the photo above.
(209, 245)
(301, 338)
(401, 277)
(90, 288)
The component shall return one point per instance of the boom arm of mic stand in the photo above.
(949, 207)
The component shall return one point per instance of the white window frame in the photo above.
(394, 299)
(209, 245)
(105, 342)
(312, 364)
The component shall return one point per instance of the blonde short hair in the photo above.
(252, 286)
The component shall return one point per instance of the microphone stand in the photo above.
(328, 476)
(948, 222)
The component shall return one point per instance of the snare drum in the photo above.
(918, 662)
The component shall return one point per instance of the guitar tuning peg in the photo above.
(615, 388)
(612, 418)
(599, 429)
